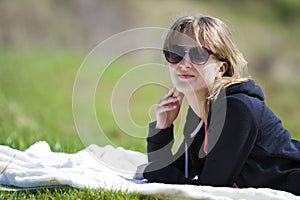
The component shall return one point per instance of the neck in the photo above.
(197, 101)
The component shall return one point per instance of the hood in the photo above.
(249, 88)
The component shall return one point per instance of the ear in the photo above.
(223, 68)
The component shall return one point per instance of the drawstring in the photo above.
(186, 163)
(205, 148)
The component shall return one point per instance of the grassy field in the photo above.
(72, 194)
(36, 104)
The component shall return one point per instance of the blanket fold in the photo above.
(109, 168)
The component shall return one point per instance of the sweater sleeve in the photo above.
(159, 143)
(231, 140)
(163, 166)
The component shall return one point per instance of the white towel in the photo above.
(109, 168)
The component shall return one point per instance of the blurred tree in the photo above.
(288, 10)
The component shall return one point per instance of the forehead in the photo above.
(182, 39)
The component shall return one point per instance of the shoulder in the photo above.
(232, 111)
(238, 101)
(242, 101)
(247, 93)
(235, 108)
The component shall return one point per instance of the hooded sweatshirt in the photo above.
(247, 146)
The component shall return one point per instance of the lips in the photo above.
(185, 76)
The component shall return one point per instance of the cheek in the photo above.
(173, 67)
(173, 74)
(208, 74)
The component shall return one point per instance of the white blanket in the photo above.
(109, 168)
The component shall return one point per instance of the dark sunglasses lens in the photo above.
(198, 55)
(172, 57)
(175, 54)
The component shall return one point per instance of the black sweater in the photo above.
(247, 146)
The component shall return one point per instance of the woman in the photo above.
(231, 137)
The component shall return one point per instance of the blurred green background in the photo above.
(43, 44)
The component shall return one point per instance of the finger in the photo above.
(167, 101)
(137, 176)
(170, 92)
(180, 97)
(166, 108)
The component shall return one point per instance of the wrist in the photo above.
(162, 126)
(153, 125)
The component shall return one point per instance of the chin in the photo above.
(185, 87)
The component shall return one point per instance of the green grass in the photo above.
(36, 104)
(71, 194)
(36, 100)
(35, 96)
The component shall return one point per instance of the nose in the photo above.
(185, 63)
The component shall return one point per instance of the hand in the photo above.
(168, 108)
(139, 172)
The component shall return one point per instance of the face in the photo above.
(189, 77)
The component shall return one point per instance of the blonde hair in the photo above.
(214, 34)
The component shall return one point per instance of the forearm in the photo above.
(159, 143)
(163, 166)
(158, 172)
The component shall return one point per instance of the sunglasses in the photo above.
(198, 55)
